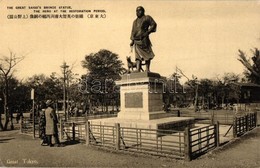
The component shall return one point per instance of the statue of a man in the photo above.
(143, 25)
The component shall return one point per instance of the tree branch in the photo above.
(243, 59)
(8, 63)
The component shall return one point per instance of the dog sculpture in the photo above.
(131, 65)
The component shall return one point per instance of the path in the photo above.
(18, 150)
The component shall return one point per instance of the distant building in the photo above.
(249, 92)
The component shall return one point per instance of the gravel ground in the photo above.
(17, 150)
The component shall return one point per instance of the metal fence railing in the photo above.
(168, 143)
(187, 144)
(102, 135)
(202, 139)
(26, 126)
(72, 129)
(243, 124)
(180, 144)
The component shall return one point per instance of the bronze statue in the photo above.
(143, 26)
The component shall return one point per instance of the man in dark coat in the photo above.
(143, 26)
(51, 124)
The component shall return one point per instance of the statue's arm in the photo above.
(132, 35)
(153, 25)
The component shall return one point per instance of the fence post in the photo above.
(217, 134)
(255, 118)
(87, 132)
(235, 127)
(253, 121)
(117, 126)
(247, 123)
(212, 117)
(61, 128)
(21, 125)
(73, 131)
(100, 132)
(179, 113)
(187, 142)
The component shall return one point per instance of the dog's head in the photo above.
(128, 58)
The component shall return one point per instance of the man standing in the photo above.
(51, 124)
(142, 27)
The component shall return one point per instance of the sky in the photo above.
(201, 38)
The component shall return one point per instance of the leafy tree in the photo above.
(191, 88)
(219, 92)
(206, 91)
(45, 87)
(232, 89)
(104, 68)
(194, 90)
(230, 78)
(103, 64)
(226, 90)
(202, 92)
(37, 83)
(7, 64)
(53, 87)
(252, 66)
(173, 91)
(71, 82)
(19, 96)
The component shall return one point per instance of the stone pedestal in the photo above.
(141, 96)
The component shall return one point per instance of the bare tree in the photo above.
(7, 64)
(194, 83)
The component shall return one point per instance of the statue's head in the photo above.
(140, 11)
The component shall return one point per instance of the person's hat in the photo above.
(49, 102)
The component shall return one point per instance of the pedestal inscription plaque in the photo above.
(134, 100)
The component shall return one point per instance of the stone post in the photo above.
(87, 132)
(117, 126)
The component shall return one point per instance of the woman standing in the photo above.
(42, 124)
(51, 124)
